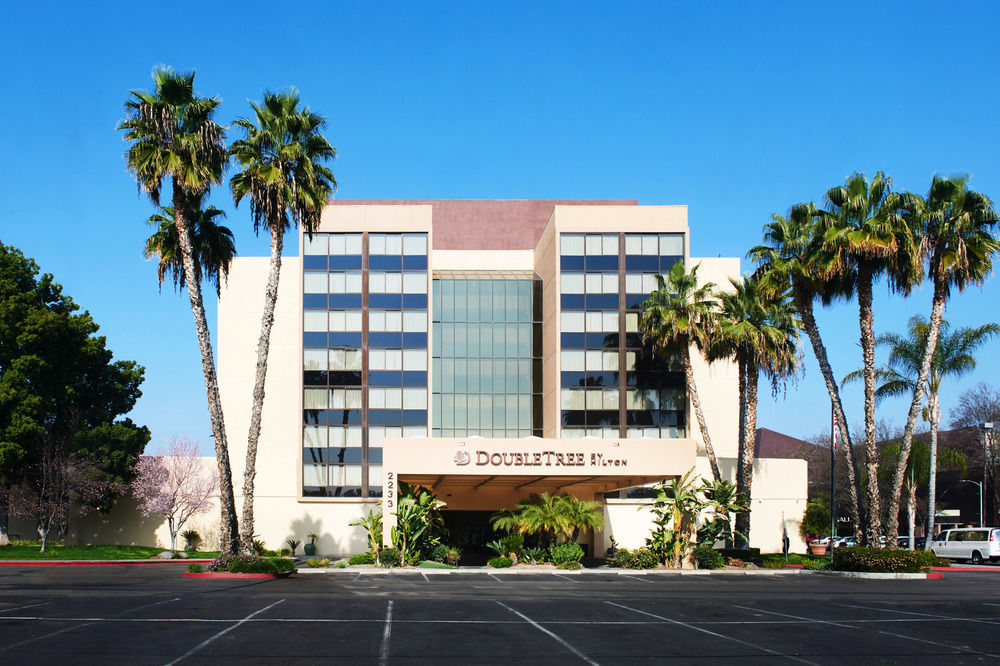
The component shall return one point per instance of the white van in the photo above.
(969, 543)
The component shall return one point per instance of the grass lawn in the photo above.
(55, 550)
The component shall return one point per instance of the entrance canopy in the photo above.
(490, 474)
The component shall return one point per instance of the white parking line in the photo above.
(572, 580)
(549, 633)
(635, 578)
(222, 633)
(383, 654)
(795, 617)
(958, 648)
(712, 633)
(494, 578)
(929, 615)
(425, 577)
(7, 610)
(86, 624)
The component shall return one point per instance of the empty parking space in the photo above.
(155, 616)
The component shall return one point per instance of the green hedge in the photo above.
(565, 553)
(362, 558)
(643, 558)
(708, 558)
(884, 560)
(501, 562)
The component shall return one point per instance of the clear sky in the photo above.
(736, 109)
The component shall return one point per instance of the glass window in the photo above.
(345, 359)
(633, 244)
(352, 244)
(571, 283)
(376, 282)
(415, 431)
(318, 244)
(314, 359)
(609, 322)
(338, 244)
(314, 475)
(671, 245)
(572, 399)
(650, 245)
(414, 398)
(572, 322)
(415, 322)
(393, 283)
(345, 399)
(315, 283)
(415, 283)
(394, 321)
(414, 244)
(315, 436)
(609, 244)
(609, 283)
(593, 244)
(649, 284)
(314, 321)
(314, 399)
(393, 244)
(376, 244)
(414, 359)
(572, 361)
(571, 244)
(345, 475)
(374, 475)
(633, 283)
(594, 283)
(631, 322)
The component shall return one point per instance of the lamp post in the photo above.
(986, 432)
(980, 498)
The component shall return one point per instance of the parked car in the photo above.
(977, 544)
(904, 542)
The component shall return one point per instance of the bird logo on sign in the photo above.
(462, 458)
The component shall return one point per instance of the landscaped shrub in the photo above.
(882, 560)
(362, 558)
(817, 565)
(772, 564)
(390, 557)
(317, 563)
(534, 555)
(439, 552)
(708, 558)
(452, 555)
(746, 554)
(642, 559)
(431, 564)
(622, 558)
(500, 562)
(195, 568)
(569, 565)
(566, 552)
(250, 564)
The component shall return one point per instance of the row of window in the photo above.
(378, 244)
(635, 244)
(487, 376)
(378, 398)
(642, 399)
(670, 432)
(487, 300)
(508, 412)
(350, 282)
(490, 340)
(350, 436)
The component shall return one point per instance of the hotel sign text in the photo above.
(545, 459)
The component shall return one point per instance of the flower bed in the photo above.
(884, 560)
(243, 566)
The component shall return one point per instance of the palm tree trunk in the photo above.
(866, 321)
(911, 511)
(692, 388)
(229, 530)
(5, 514)
(744, 475)
(934, 412)
(933, 329)
(804, 304)
(263, 347)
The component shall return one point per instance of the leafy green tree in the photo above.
(722, 500)
(282, 173)
(419, 524)
(172, 135)
(815, 521)
(63, 437)
(372, 524)
(679, 314)
(794, 255)
(953, 356)
(553, 518)
(956, 227)
(918, 467)
(866, 231)
(757, 328)
(676, 509)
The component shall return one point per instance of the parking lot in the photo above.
(154, 615)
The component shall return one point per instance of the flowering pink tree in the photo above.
(175, 484)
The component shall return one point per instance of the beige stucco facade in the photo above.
(518, 237)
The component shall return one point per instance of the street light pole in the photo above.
(980, 497)
(987, 432)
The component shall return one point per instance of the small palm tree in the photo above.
(679, 314)
(282, 173)
(212, 244)
(793, 255)
(953, 357)
(172, 135)
(758, 328)
(580, 515)
(866, 233)
(957, 244)
(676, 509)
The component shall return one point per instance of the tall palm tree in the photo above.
(679, 314)
(212, 244)
(282, 173)
(759, 329)
(953, 357)
(957, 243)
(866, 232)
(172, 135)
(793, 255)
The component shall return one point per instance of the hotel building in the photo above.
(487, 350)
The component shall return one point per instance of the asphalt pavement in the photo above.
(153, 615)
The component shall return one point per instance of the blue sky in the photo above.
(737, 110)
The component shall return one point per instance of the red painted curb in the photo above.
(93, 563)
(935, 576)
(189, 574)
(793, 566)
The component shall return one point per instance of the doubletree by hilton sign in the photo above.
(537, 459)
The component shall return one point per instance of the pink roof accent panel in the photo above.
(487, 224)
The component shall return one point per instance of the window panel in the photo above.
(633, 283)
(393, 398)
(415, 283)
(352, 244)
(393, 283)
(573, 399)
(572, 283)
(572, 322)
(671, 245)
(376, 244)
(314, 475)
(650, 245)
(315, 436)
(318, 244)
(633, 244)
(374, 475)
(315, 399)
(376, 282)
(571, 244)
(572, 361)
(593, 244)
(593, 282)
(609, 283)
(394, 321)
(315, 283)
(414, 244)
(393, 244)
(631, 322)
(345, 475)
(314, 359)
(609, 244)
(415, 322)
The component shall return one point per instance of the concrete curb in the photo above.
(92, 563)
(883, 576)
(560, 572)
